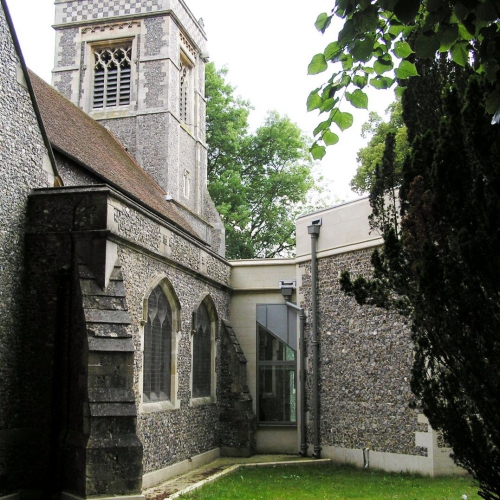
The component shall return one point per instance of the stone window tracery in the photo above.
(112, 76)
(157, 348)
(202, 353)
(185, 91)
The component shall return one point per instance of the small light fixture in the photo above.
(287, 287)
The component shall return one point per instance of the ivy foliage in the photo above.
(439, 263)
(377, 46)
(259, 181)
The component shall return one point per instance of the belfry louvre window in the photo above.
(157, 348)
(112, 71)
(202, 353)
(184, 91)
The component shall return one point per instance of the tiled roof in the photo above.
(81, 138)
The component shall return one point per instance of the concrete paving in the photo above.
(179, 485)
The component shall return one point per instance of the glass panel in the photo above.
(277, 394)
(280, 320)
(157, 348)
(277, 315)
(272, 349)
(202, 354)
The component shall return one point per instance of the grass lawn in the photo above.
(303, 482)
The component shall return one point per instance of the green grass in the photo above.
(304, 482)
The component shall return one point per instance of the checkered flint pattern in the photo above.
(87, 10)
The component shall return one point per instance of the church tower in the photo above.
(138, 67)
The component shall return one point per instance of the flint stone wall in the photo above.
(95, 10)
(365, 365)
(174, 435)
(73, 175)
(21, 158)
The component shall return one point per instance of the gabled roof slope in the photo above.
(81, 138)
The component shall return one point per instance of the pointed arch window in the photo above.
(186, 90)
(157, 348)
(112, 76)
(202, 353)
(203, 345)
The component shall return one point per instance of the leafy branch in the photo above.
(377, 46)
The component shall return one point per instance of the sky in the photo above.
(266, 45)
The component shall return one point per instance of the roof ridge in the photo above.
(93, 146)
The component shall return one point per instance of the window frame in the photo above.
(208, 302)
(174, 402)
(186, 118)
(95, 41)
(275, 364)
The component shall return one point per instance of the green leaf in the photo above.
(382, 66)
(322, 126)
(366, 20)
(342, 119)
(426, 45)
(407, 30)
(347, 61)
(396, 29)
(491, 68)
(381, 82)
(460, 11)
(332, 50)
(345, 80)
(330, 90)
(317, 65)
(434, 5)
(318, 151)
(362, 49)
(330, 138)
(328, 104)
(387, 4)
(402, 49)
(493, 102)
(323, 21)
(347, 33)
(360, 81)
(486, 12)
(406, 10)
(432, 19)
(460, 53)
(314, 101)
(405, 70)
(399, 90)
(447, 34)
(464, 32)
(358, 99)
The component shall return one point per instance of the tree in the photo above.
(371, 155)
(259, 181)
(380, 37)
(439, 265)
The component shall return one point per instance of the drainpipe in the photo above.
(314, 230)
(302, 381)
(287, 291)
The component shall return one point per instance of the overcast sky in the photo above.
(266, 46)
